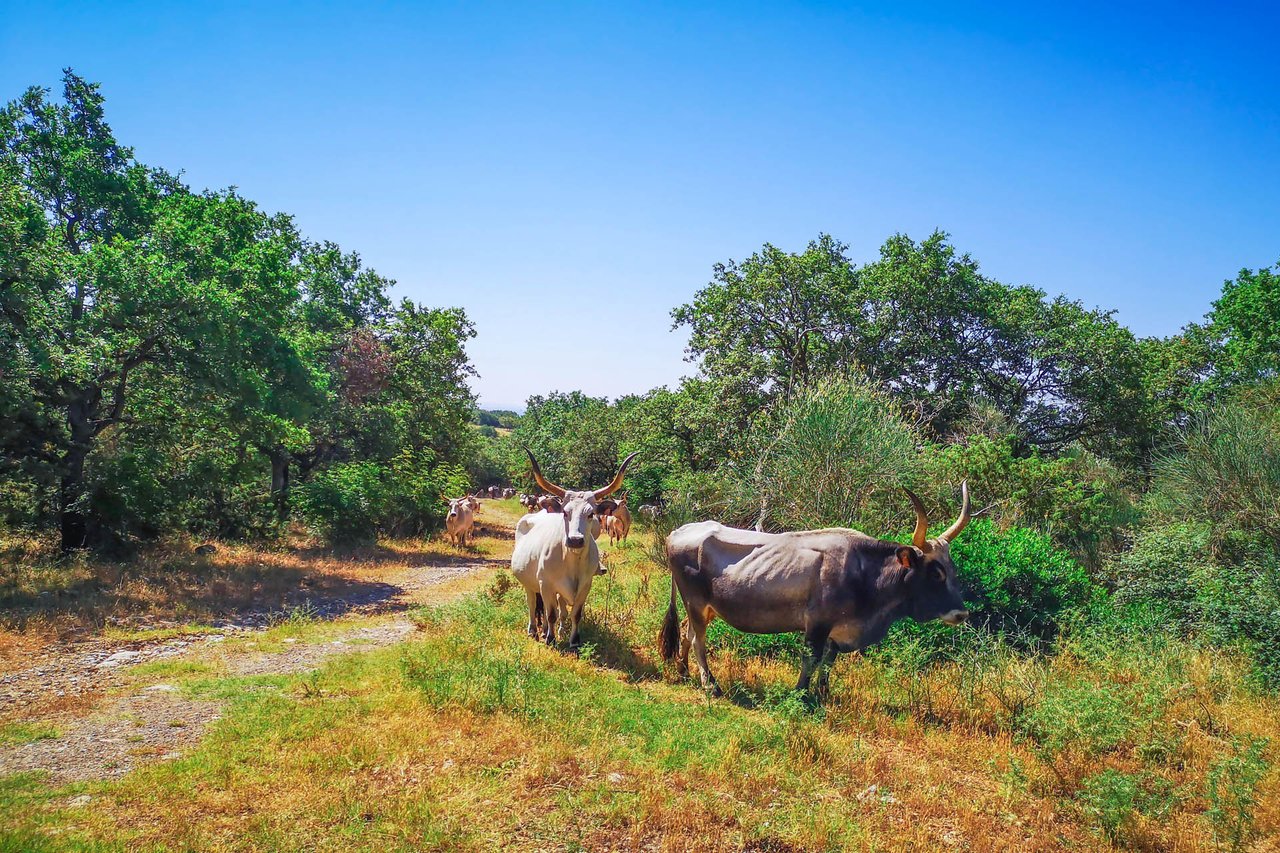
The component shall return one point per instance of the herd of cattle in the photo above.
(840, 588)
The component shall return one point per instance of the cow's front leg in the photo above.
(550, 616)
(824, 669)
(575, 615)
(816, 639)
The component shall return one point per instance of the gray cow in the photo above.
(841, 588)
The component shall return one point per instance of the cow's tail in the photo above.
(669, 639)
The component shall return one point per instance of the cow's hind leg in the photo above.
(686, 641)
(698, 639)
(535, 610)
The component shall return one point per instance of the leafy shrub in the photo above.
(344, 502)
(1228, 477)
(1018, 582)
(1233, 792)
(1113, 798)
(353, 502)
(1084, 717)
(1171, 571)
(835, 453)
(1074, 498)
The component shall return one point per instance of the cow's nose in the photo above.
(576, 541)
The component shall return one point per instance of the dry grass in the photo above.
(169, 590)
(471, 737)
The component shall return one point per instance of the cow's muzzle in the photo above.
(954, 617)
(575, 541)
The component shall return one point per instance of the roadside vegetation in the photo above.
(180, 368)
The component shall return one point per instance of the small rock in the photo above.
(82, 800)
(873, 792)
(616, 778)
(207, 548)
(290, 640)
(119, 658)
(161, 688)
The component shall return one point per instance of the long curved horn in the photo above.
(954, 530)
(922, 521)
(543, 483)
(617, 480)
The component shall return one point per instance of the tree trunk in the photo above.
(280, 482)
(73, 521)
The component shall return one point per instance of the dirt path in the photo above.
(105, 728)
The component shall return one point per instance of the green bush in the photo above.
(1172, 572)
(1089, 718)
(1018, 582)
(352, 502)
(1113, 798)
(1074, 499)
(344, 502)
(1232, 790)
(836, 453)
(1228, 477)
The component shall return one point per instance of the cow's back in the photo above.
(759, 582)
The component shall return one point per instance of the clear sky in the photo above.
(569, 173)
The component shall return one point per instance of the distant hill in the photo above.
(497, 418)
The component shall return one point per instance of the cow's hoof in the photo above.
(714, 691)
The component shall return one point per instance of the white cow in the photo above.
(556, 558)
(460, 521)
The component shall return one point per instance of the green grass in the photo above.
(14, 733)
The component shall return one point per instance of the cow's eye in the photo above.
(590, 514)
(940, 572)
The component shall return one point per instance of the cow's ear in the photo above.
(909, 559)
(554, 505)
(606, 507)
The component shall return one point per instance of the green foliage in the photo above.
(177, 360)
(574, 437)
(835, 453)
(1075, 499)
(1086, 718)
(1228, 476)
(1207, 556)
(1113, 799)
(1172, 571)
(924, 322)
(345, 502)
(1245, 325)
(352, 502)
(1018, 582)
(1232, 791)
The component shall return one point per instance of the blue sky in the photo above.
(569, 173)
